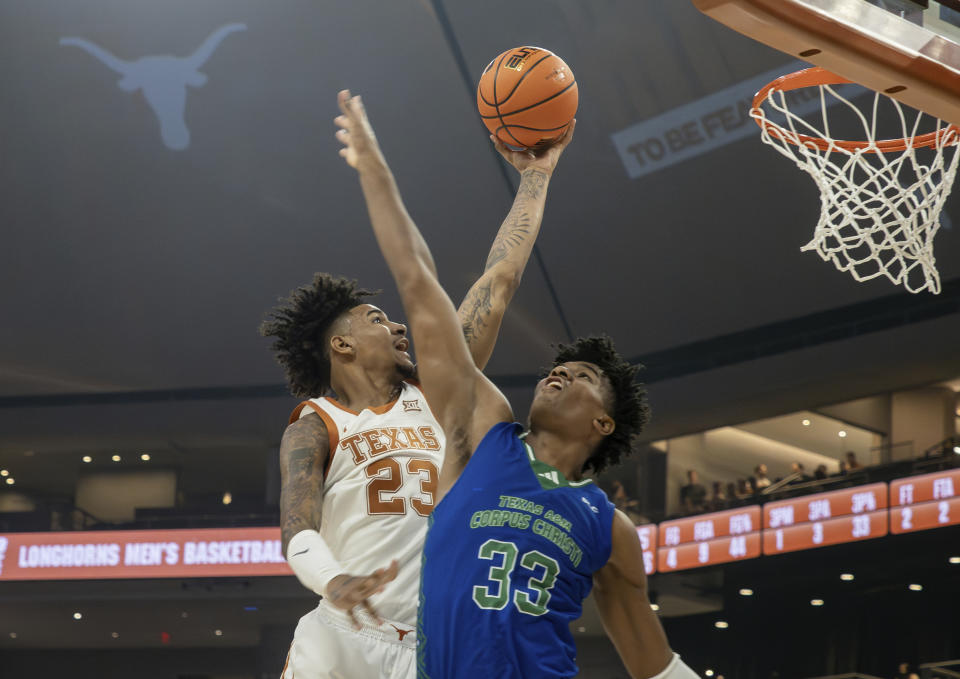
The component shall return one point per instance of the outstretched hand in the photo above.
(542, 159)
(346, 591)
(355, 133)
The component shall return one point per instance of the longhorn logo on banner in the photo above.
(163, 80)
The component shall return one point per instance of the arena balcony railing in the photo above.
(943, 455)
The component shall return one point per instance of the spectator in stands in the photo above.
(799, 473)
(743, 489)
(752, 485)
(903, 671)
(850, 463)
(718, 500)
(625, 503)
(732, 499)
(820, 472)
(693, 496)
(760, 474)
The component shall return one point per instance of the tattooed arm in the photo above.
(482, 309)
(303, 455)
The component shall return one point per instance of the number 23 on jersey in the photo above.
(386, 479)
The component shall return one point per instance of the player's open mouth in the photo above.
(402, 345)
(553, 382)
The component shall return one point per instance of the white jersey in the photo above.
(379, 487)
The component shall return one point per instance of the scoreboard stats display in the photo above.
(924, 502)
(846, 515)
(709, 539)
(906, 505)
(648, 542)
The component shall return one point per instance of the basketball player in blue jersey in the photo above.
(360, 459)
(518, 536)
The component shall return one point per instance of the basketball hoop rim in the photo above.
(816, 76)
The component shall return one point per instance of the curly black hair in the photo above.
(301, 324)
(628, 408)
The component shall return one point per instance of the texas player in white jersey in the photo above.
(359, 465)
(384, 465)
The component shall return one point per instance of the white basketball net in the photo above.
(879, 210)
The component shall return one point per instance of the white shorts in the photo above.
(327, 646)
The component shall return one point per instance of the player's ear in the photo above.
(342, 345)
(604, 425)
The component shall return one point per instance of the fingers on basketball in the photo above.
(567, 136)
(561, 142)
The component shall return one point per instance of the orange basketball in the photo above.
(527, 96)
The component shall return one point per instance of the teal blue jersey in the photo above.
(509, 558)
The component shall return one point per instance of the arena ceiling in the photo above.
(141, 249)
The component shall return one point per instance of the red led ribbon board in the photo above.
(648, 542)
(709, 552)
(81, 555)
(823, 519)
(925, 502)
(709, 539)
(823, 533)
(709, 526)
(810, 508)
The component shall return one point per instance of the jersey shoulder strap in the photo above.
(333, 436)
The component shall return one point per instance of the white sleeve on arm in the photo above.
(676, 669)
(312, 561)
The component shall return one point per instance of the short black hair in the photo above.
(300, 324)
(628, 408)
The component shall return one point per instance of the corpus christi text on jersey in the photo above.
(520, 520)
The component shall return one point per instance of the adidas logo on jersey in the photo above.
(551, 476)
(374, 442)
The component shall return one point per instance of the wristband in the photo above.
(676, 669)
(312, 561)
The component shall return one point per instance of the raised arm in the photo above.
(484, 305)
(464, 401)
(620, 590)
